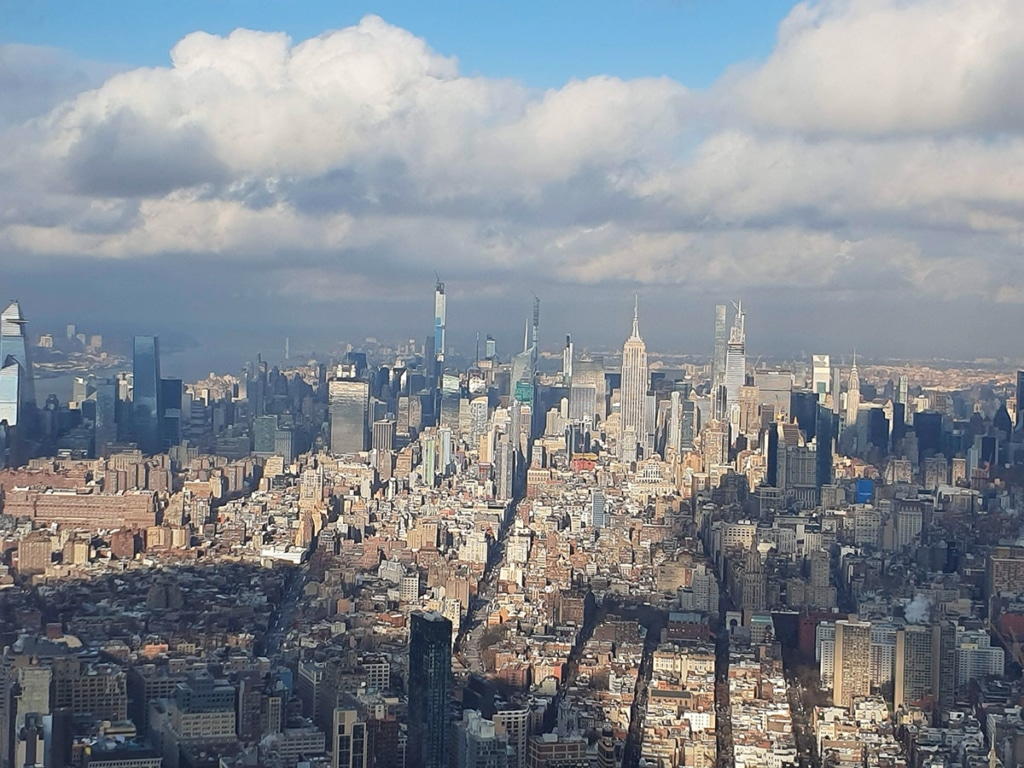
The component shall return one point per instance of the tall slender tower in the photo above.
(736, 358)
(567, 361)
(633, 397)
(535, 331)
(440, 311)
(721, 340)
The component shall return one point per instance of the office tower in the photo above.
(429, 460)
(803, 407)
(633, 396)
(17, 387)
(821, 375)
(928, 428)
(853, 394)
(13, 343)
(430, 681)
(878, 430)
(735, 359)
(944, 654)
(535, 332)
(1020, 399)
(599, 516)
(771, 448)
(147, 394)
(721, 342)
(675, 423)
(477, 744)
(264, 431)
(383, 437)
(690, 427)
(587, 392)
(524, 368)
(776, 388)
(851, 671)
(440, 313)
(490, 347)
(349, 406)
(105, 415)
(170, 412)
(567, 361)
(824, 437)
(903, 389)
(749, 408)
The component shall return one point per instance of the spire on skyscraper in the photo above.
(634, 426)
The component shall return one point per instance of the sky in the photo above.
(246, 170)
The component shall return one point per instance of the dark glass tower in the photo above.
(430, 682)
(1020, 399)
(146, 394)
(824, 436)
(170, 412)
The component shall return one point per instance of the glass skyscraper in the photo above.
(348, 403)
(14, 344)
(146, 394)
(430, 682)
(440, 322)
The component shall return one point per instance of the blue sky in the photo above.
(543, 44)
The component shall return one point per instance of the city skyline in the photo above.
(813, 188)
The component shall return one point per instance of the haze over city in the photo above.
(850, 169)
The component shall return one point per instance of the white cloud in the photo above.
(862, 155)
(892, 66)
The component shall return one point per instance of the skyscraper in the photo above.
(721, 342)
(736, 359)
(524, 364)
(1020, 399)
(17, 384)
(430, 681)
(821, 375)
(349, 406)
(440, 313)
(853, 395)
(13, 343)
(633, 396)
(824, 435)
(171, 391)
(146, 394)
(567, 361)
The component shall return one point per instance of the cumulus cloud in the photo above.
(877, 149)
(892, 66)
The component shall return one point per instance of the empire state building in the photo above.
(633, 395)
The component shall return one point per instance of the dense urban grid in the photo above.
(395, 559)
